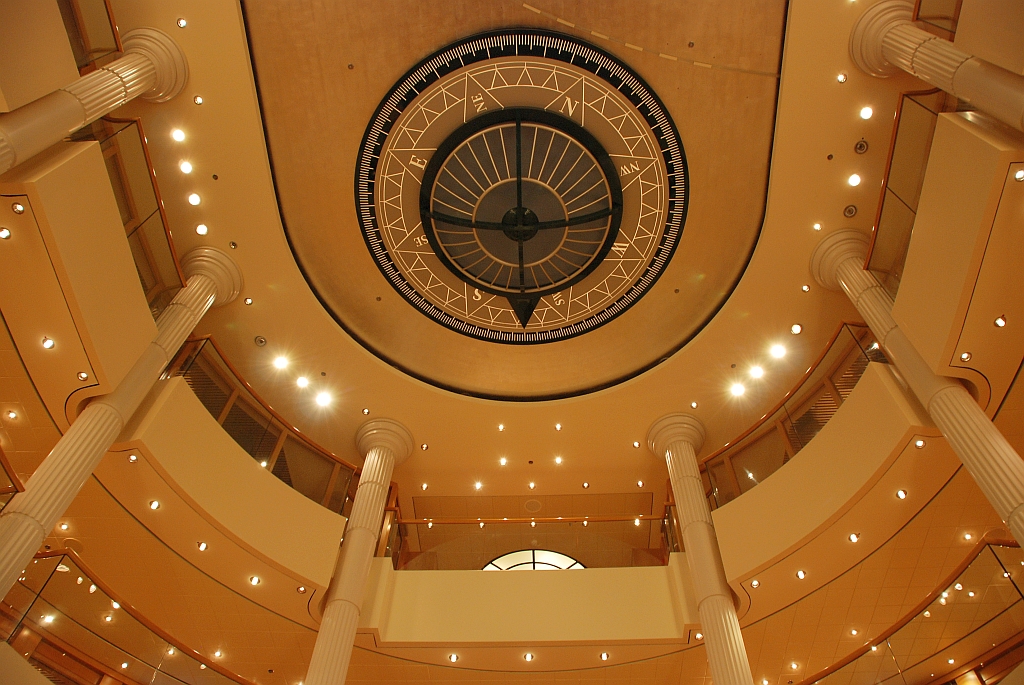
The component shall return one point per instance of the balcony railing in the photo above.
(940, 15)
(73, 629)
(280, 448)
(130, 169)
(91, 31)
(764, 447)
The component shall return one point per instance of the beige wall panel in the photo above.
(16, 670)
(992, 30)
(70, 193)
(35, 55)
(209, 468)
(818, 483)
(601, 605)
(963, 184)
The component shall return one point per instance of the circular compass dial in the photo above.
(521, 187)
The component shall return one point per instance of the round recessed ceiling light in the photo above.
(424, 447)
(181, 22)
(254, 580)
(477, 485)
(302, 381)
(280, 362)
(154, 505)
(841, 78)
(1019, 175)
(217, 654)
(636, 444)
(532, 486)
(198, 99)
(501, 426)
(755, 583)
(365, 412)
(132, 458)
(801, 575)
(756, 372)
(816, 227)
(503, 461)
(854, 537)
(48, 343)
(854, 180)
(902, 494)
(778, 351)
(124, 664)
(453, 658)
(170, 651)
(5, 233)
(11, 414)
(586, 485)
(194, 199)
(639, 483)
(186, 167)
(796, 329)
(636, 522)
(301, 589)
(558, 460)
(693, 405)
(178, 134)
(805, 288)
(323, 398)
(63, 526)
(247, 301)
(604, 656)
(699, 636)
(423, 486)
(919, 444)
(737, 389)
(83, 376)
(967, 536)
(528, 656)
(965, 357)
(866, 112)
(558, 426)
(202, 229)
(1000, 321)
(202, 546)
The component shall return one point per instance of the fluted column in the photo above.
(212, 279)
(153, 67)
(385, 443)
(885, 41)
(677, 438)
(837, 263)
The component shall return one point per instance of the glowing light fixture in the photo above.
(636, 444)
(854, 180)
(302, 381)
(801, 575)
(247, 301)
(280, 362)
(796, 329)
(816, 227)
(254, 580)
(423, 487)
(366, 411)
(528, 656)
(639, 483)
(866, 112)
(83, 376)
(501, 426)
(604, 656)
(12, 414)
(170, 651)
(558, 426)
(48, 343)
(424, 447)
(699, 636)
(737, 389)
(919, 444)
(1000, 321)
(1019, 175)
(532, 486)
(186, 167)
(5, 233)
(301, 589)
(478, 485)
(48, 618)
(965, 357)
(198, 99)
(154, 505)
(636, 522)
(124, 664)
(902, 494)
(854, 537)
(453, 658)
(967, 536)
(586, 485)
(558, 460)
(805, 288)
(194, 199)
(217, 654)
(108, 619)
(841, 78)
(756, 372)
(778, 351)
(115, 605)
(178, 135)
(202, 229)
(323, 398)
(181, 22)
(853, 631)
(693, 405)
(63, 526)
(503, 461)
(755, 583)
(202, 546)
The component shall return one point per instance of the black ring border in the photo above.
(534, 116)
(371, 160)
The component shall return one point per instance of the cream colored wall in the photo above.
(992, 30)
(35, 55)
(815, 486)
(69, 275)
(16, 670)
(209, 468)
(960, 200)
(600, 605)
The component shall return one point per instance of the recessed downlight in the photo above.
(558, 426)
(604, 656)
(699, 636)
(202, 229)
(796, 329)
(477, 485)
(756, 372)
(586, 485)
(902, 494)
(854, 180)
(636, 522)
(186, 167)
(503, 461)
(801, 574)
(965, 357)
(11, 414)
(532, 485)
(194, 199)
(919, 444)
(178, 135)
(254, 580)
(302, 381)
(202, 546)
(280, 362)
(558, 460)
(423, 486)
(48, 343)
(83, 376)
(693, 405)
(453, 658)
(528, 656)
(1019, 175)
(755, 583)
(1000, 321)
(636, 444)
(154, 505)
(841, 77)
(805, 288)
(639, 483)
(737, 389)
(854, 537)
(323, 398)
(501, 426)
(181, 22)
(866, 112)
(5, 233)
(132, 458)
(424, 446)
(777, 351)
(816, 227)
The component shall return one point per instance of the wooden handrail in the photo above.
(137, 615)
(796, 388)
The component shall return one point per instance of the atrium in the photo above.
(320, 321)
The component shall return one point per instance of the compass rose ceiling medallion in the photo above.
(521, 187)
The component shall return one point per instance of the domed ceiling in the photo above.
(516, 213)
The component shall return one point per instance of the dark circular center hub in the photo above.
(519, 227)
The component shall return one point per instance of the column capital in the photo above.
(673, 428)
(833, 250)
(166, 56)
(385, 433)
(867, 34)
(218, 267)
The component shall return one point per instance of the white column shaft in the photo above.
(727, 656)
(991, 460)
(333, 649)
(992, 89)
(31, 514)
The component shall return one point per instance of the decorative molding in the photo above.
(218, 267)
(166, 56)
(833, 250)
(385, 433)
(674, 428)
(869, 32)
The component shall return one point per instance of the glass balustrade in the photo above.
(126, 155)
(266, 437)
(940, 15)
(74, 631)
(91, 31)
(765, 447)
